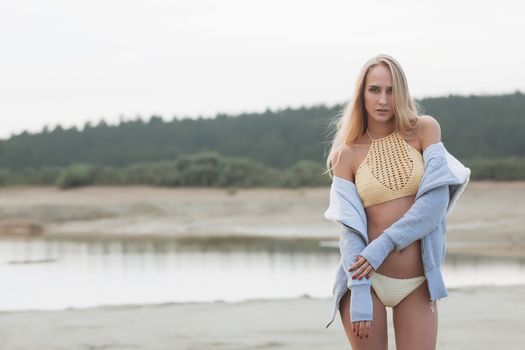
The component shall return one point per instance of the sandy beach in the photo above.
(488, 220)
(469, 318)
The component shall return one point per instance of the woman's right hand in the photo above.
(362, 328)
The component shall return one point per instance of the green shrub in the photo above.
(76, 175)
(508, 168)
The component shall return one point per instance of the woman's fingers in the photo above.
(356, 327)
(357, 264)
(362, 271)
(357, 272)
(368, 325)
(366, 272)
(362, 328)
(359, 261)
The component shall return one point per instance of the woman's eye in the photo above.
(377, 90)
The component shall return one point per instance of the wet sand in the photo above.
(469, 318)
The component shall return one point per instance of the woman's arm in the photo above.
(418, 221)
(351, 242)
(351, 245)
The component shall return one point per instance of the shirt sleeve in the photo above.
(351, 244)
(419, 221)
(343, 211)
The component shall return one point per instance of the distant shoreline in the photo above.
(488, 218)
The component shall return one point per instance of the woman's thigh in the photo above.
(415, 324)
(378, 337)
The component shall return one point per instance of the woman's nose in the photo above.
(383, 98)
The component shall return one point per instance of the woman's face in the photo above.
(378, 94)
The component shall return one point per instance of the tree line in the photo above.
(250, 149)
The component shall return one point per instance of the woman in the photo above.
(394, 182)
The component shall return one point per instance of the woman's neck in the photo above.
(379, 130)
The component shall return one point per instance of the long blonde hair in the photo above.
(352, 122)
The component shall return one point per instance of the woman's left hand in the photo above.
(364, 269)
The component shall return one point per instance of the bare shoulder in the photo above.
(343, 161)
(429, 131)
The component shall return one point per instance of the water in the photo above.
(58, 274)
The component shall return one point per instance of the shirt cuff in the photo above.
(361, 307)
(377, 250)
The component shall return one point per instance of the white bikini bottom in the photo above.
(392, 290)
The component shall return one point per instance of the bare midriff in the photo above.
(408, 262)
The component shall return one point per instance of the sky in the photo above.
(68, 61)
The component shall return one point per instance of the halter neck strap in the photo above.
(380, 137)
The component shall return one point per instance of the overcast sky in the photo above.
(67, 62)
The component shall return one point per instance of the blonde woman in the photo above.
(393, 184)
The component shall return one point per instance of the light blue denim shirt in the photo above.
(444, 179)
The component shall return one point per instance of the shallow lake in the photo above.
(58, 274)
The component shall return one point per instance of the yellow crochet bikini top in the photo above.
(392, 169)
